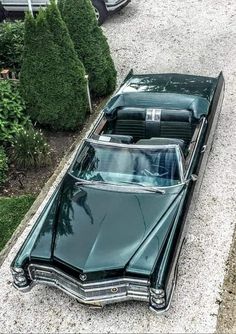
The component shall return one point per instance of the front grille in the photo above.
(102, 292)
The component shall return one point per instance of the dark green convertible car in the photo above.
(113, 229)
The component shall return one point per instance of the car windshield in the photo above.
(122, 165)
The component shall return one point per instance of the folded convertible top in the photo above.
(167, 91)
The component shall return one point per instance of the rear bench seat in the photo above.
(144, 123)
(131, 121)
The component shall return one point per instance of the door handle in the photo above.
(203, 148)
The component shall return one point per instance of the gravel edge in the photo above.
(226, 320)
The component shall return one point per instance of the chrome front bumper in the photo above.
(96, 293)
(117, 5)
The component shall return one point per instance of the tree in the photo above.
(52, 78)
(91, 45)
(29, 69)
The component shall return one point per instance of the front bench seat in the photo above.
(163, 141)
(114, 138)
(166, 160)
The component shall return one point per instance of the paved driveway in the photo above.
(161, 36)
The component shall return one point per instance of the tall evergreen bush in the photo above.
(52, 77)
(91, 45)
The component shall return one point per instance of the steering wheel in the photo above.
(162, 171)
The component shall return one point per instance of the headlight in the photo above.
(17, 270)
(158, 301)
(19, 277)
(157, 297)
(157, 293)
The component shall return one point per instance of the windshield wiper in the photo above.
(90, 182)
(148, 188)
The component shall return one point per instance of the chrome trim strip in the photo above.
(180, 164)
(204, 120)
(113, 7)
(135, 146)
(84, 285)
(23, 289)
(153, 115)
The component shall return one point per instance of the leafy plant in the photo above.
(3, 166)
(12, 113)
(90, 44)
(52, 78)
(11, 44)
(30, 149)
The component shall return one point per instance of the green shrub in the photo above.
(91, 45)
(52, 77)
(30, 149)
(12, 113)
(11, 45)
(3, 166)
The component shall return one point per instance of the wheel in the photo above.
(100, 10)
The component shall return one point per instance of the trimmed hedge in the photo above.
(91, 45)
(52, 78)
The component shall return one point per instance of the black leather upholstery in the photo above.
(131, 121)
(114, 138)
(120, 138)
(176, 116)
(163, 141)
(131, 113)
(177, 124)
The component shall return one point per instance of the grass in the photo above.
(12, 211)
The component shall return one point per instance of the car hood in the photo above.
(102, 229)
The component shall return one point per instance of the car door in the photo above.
(201, 144)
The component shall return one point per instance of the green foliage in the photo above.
(30, 149)
(11, 44)
(12, 211)
(12, 115)
(3, 166)
(91, 45)
(52, 77)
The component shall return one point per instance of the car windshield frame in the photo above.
(128, 146)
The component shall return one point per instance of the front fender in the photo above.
(165, 272)
(46, 217)
(145, 258)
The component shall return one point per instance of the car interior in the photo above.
(150, 126)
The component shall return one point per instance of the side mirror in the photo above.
(194, 177)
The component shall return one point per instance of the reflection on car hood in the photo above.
(101, 229)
